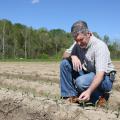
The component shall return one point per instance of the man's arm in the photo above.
(75, 61)
(96, 81)
(68, 51)
(66, 55)
(73, 52)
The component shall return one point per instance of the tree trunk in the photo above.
(3, 42)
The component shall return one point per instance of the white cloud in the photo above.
(35, 1)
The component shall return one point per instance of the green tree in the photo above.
(106, 39)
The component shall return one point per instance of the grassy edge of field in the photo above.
(40, 60)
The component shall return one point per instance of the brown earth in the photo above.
(30, 91)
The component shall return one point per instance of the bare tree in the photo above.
(3, 40)
(25, 35)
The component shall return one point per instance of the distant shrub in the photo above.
(44, 56)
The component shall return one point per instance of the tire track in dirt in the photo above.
(38, 87)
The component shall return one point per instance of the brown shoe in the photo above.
(73, 99)
(101, 102)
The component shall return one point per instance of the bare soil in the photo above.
(30, 91)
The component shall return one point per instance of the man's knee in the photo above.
(64, 64)
(84, 81)
(106, 85)
(80, 83)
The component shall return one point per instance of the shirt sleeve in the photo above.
(69, 50)
(101, 58)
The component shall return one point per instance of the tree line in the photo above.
(19, 41)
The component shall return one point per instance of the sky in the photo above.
(102, 16)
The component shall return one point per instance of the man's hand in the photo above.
(85, 96)
(76, 63)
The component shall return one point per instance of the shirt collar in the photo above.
(90, 41)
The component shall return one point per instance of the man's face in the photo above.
(82, 39)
